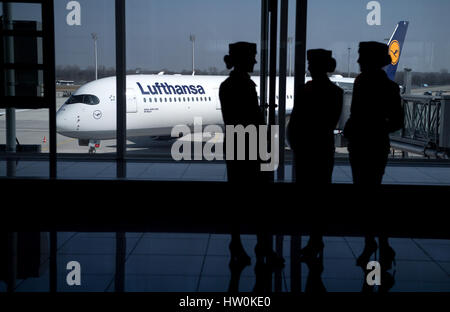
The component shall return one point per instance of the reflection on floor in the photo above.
(199, 262)
(406, 174)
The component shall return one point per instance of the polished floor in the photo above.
(199, 262)
(404, 174)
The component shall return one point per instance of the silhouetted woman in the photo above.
(375, 112)
(239, 103)
(311, 131)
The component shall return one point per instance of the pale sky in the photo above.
(158, 31)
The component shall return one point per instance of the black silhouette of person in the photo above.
(314, 283)
(311, 131)
(239, 104)
(375, 112)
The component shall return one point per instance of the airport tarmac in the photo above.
(444, 89)
(153, 160)
(32, 127)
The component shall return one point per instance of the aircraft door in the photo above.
(131, 101)
(216, 99)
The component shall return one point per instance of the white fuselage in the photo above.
(155, 104)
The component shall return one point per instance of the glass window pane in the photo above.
(161, 38)
(85, 73)
(23, 52)
(419, 65)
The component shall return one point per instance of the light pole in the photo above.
(348, 64)
(95, 37)
(289, 40)
(192, 39)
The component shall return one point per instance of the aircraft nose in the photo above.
(65, 122)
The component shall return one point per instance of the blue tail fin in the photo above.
(395, 48)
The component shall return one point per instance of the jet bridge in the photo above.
(426, 128)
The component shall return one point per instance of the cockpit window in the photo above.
(84, 99)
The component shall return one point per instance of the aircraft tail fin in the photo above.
(395, 47)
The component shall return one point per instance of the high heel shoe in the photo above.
(239, 257)
(387, 257)
(311, 252)
(388, 281)
(364, 258)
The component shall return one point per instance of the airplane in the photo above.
(157, 103)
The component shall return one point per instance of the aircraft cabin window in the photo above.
(145, 100)
(165, 100)
(170, 99)
(210, 98)
(149, 100)
(84, 99)
(201, 99)
(160, 99)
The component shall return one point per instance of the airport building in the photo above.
(114, 169)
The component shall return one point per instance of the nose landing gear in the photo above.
(93, 145)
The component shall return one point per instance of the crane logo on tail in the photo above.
(394, 51)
